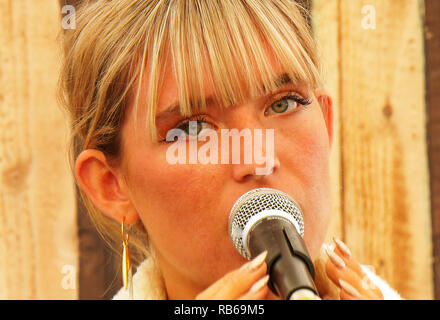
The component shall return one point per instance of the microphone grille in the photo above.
(254, 202)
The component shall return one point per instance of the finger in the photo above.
(337, 272)
(242, 281)
(236, 283)
(344, 253)
(344, 295)
(258, 291)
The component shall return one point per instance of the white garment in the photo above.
(388, 293)
(148, 284)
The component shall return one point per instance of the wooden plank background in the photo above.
(377, 76)
(379, 164)
(38, 233)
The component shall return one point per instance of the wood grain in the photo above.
(385, 170)
(379, 169)
(38, 237)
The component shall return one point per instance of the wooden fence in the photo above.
(376, 73)
(38, 232)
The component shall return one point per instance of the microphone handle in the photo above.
(288, 262)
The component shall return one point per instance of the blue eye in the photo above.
(193, 127)
(286, 104)
(189, 128)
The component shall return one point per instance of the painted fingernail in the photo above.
(259, 284)
(257, 261)
(337, 260)
(349, 288)
(342, 246)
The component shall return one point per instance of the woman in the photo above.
(136, 71)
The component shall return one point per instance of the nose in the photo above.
(256, 145)
(257, 157)
(246, 172)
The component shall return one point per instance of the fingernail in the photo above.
(257, 261)
(349, 288)
(259, 284)
(342, 246)
(337, 260)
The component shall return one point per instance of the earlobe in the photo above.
(103, 186)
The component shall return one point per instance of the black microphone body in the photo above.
(288, 263)
(269, 219)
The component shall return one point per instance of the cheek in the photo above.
(305, 151)
(169, 188)
(174, 202)
(305, 140)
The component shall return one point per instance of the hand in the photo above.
(346, 273)
(246, 283)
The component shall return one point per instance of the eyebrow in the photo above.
(282, 80)
(174, 108)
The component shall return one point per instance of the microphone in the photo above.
(269, 219)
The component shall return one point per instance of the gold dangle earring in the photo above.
(126, 262)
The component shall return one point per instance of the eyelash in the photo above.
(298, 99)
(186, 121)
(302, 101)
(200, 118)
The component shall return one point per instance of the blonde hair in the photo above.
(116, 41)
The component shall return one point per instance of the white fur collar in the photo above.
(148, 284)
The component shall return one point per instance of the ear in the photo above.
(104, 186)
(326, 104)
